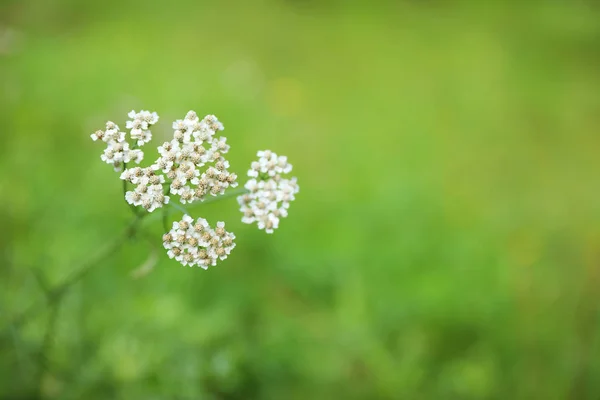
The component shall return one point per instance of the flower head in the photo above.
(195, 243)
(118, 151)
(139, 125)
(193, 147)
(148, 192)
(269, 193)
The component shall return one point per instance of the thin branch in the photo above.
(41, 280)
(55, 293)
(79, 273)
(178, 207)
(164, 220)
(17, 346)
(47, 345)
(134, 210)
(213, 199)
(183, 209)
(146, 267)
(165, 212)
(231, 193)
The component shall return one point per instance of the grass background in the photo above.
(445, 243)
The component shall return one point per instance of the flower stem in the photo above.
(178, 207)
(56, 293)
(165, 212)
(131, 206)
(231, 193)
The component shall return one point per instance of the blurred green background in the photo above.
(445, 243)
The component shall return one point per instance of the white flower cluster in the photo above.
(193, 146)
(269, 194)
(117, 150)
(149, 190)
(192, 166)
(139, 125)
(195, 243)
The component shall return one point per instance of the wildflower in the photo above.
(269, 194)
(139, 125)
(118, 151)
(192, 165)
(148, 192)
(193, 147)
(195, 243)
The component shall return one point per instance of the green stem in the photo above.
(232, 193)
(236, 192)
(46, 347)
(55, 293)
(179, 207)
(165, 212)
(131, 206)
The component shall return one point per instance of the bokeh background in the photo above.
(445, 243)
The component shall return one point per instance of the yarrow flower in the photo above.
(195, 243)
(192, 166)
(193, 146)
(149, 190)
(139, 124)
(117, 150)
(269, 194)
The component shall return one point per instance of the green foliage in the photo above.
(444, 243)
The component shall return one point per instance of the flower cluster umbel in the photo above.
(269, 193)
(194, 145)
(196, 243)
(191, 167)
